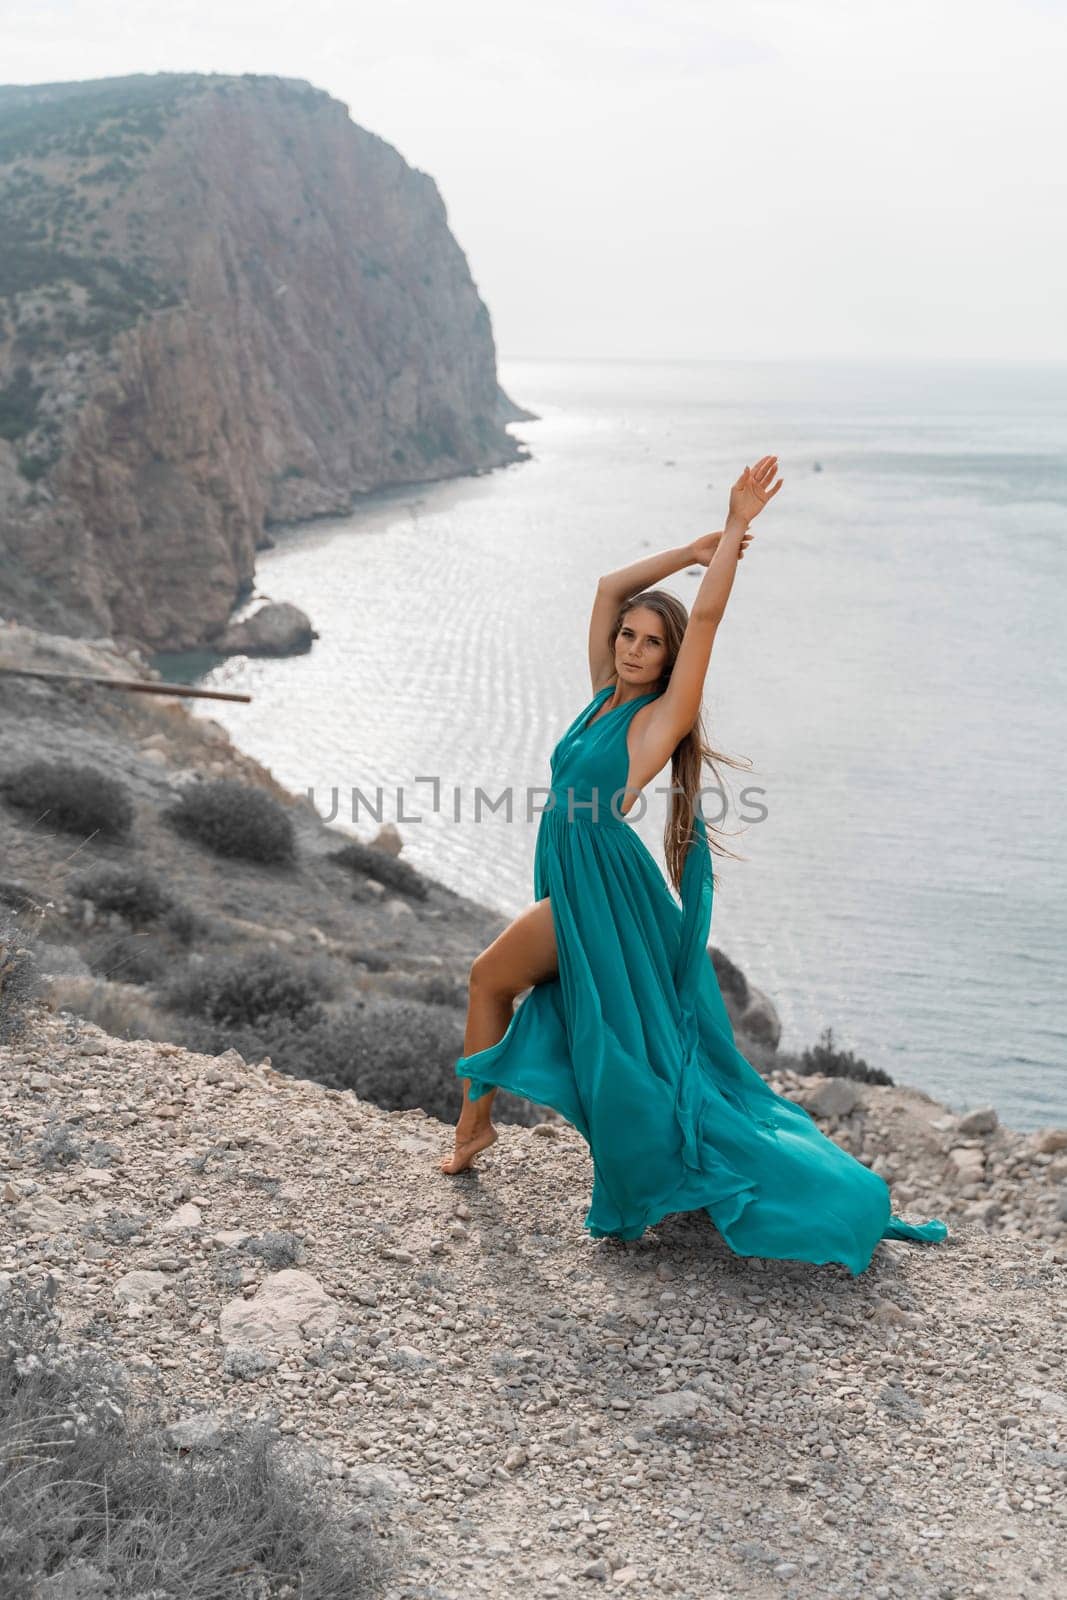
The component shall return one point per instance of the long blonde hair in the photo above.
(691, 751)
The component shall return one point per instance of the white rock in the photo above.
(837, 1097)
(231, 1237)
(388, 839)
(291, 1306)
(203, 1431)
(186, 1216)
(42, 1214)
(379, 1482)
(1050, 1401)
(982, 1120)
(138, 1288)
(677, 1403)
(968, 1163)
(230, 1059)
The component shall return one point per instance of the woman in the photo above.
(624, 1030)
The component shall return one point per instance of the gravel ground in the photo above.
(518, 1409)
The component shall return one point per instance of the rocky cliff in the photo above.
(222, 305)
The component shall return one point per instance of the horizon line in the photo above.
(778, 361)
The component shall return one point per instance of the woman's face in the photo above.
(640, 647)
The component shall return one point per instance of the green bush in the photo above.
(33, 467)
(437, 989)
(34, 339)
(234, 819)
(132, 891)
(278, 1248)
(18, 895)
(834, 1063)
(57, 1145)
(19, 978)
(184, 924)
(100, 1498)
(75, 798)
(371, 862)
(246, 992)
(396, 1053)
(126, 958)
(373, 960)
(18, 403)
(119, 1009)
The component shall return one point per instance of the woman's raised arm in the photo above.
(643, 574)
(679, 705)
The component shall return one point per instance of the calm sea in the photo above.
(891, 663)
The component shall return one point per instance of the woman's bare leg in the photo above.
(524, 954)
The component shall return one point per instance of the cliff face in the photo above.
(225, 305)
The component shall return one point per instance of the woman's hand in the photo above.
(752, 490)
(705, 547)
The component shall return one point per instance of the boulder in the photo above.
(388, 839)
(202, 1431)
(186, 1216)
(835, 1097)
(276, 629)
(43, 1214)
(289, 1307)
(982, 1120)
(966, 1164)
(759, 1019)
(675, 1403)
(138, 1288)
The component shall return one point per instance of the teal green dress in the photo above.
(632, 1044)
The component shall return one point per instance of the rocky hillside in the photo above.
(369, 931)
(372, 934)
(222, 304)
(518, 1409)
(509, 1405)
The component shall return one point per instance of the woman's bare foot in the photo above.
(468, 1143)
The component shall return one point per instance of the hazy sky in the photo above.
(838, 178)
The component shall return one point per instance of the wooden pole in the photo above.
(136, 685)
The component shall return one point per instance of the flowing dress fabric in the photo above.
(632, 1043)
